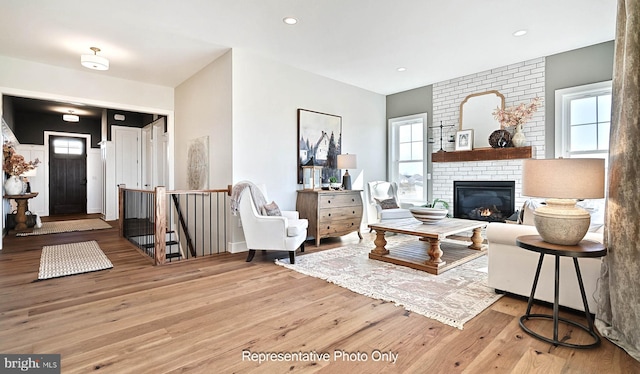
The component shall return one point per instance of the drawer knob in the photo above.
(329, 214)
(328, 201)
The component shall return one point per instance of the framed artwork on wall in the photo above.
(319, 142)
(464, 140)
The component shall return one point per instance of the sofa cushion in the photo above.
(297, 227)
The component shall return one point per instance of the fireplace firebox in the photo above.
(492, 201)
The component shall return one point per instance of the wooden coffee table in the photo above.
(433, 260)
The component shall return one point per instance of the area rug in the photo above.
(73, 258)
(68, 226)
(453, 297)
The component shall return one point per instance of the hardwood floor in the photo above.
(198, 316)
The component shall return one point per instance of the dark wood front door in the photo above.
(67, 175)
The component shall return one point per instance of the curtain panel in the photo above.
(618, 313)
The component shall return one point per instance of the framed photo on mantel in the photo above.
(319, 142)
(464, 140)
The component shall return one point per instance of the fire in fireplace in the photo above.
(491, 201)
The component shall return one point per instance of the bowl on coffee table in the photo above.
(428, 215)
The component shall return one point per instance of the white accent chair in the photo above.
(382, 190)
(275, 233)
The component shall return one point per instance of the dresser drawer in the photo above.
(339, 227)
(344, 212)
(329, 201)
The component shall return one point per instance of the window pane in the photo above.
(583, 111)
(416, 151)
(404, 133)
(68, 146)
(603, 135)
(411, 183)
(583, 138)
(604, 108)
(405, 151)
(416, 132)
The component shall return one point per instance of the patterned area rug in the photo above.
(453, 297)
(68, 226)
(73, 258)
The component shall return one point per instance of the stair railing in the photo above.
(161, 223)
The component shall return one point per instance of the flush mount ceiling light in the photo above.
(70, 117)
(289, 20)
(94, 61)
(520, 33)
(401, 69)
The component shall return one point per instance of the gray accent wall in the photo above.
(418, 100)
(569, 69)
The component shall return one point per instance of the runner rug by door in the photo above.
(68, 226)
(453, 297)
(73, 258)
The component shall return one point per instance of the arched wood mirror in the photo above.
(476, 114)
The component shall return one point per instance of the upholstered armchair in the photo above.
(383, 198)
(265, 229)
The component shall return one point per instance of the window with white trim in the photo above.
(407, 157)
(583, 120)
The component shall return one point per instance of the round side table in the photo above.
(585, 248)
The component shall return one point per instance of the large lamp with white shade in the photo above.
(562, 182)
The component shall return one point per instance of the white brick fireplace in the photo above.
(518, 83)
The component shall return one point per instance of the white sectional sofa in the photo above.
(512, 269)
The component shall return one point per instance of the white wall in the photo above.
(203, 108)
(266, 97)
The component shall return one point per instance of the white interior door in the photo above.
(160, 152)
(127, 155)
(154, 154)
(147, 158)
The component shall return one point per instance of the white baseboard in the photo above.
(237, 247)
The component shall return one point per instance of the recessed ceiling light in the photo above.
(401, 69)
(520, 33)
(289, 20)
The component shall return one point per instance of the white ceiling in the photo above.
(359, 42)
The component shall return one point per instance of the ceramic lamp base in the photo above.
(346, 181)
(560, 221)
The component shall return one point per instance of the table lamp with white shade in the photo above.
(346, 162)
(563, 181)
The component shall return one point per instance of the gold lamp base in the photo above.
(560, 221)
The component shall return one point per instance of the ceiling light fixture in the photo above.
(401, 69)
(70, 117)
(289, 20)
(94, 61)
(520, 33)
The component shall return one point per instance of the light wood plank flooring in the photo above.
(198, 317)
